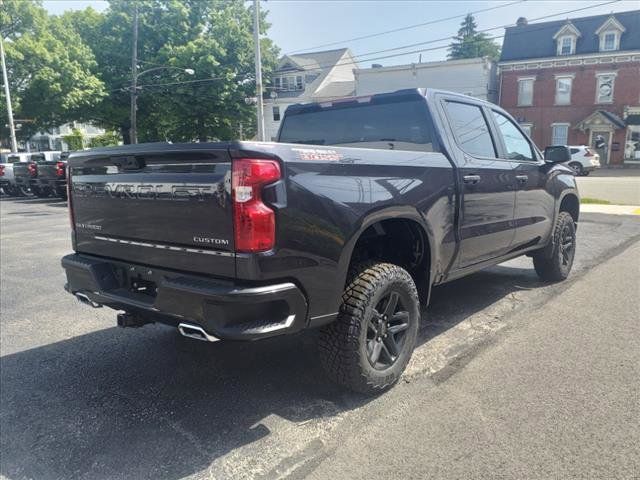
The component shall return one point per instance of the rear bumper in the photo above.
(223, 309)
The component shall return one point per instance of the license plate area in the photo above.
(140, 286)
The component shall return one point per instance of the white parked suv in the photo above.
(583, 160)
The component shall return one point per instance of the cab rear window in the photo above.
(400, 125)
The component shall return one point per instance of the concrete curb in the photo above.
(610, 209)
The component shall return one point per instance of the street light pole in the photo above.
(133, 133)
(258, 60)
(5, 79)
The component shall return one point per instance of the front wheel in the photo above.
(553, 263)
(368, 347)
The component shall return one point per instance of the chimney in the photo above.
(522, 21)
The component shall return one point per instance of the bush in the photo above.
(75, 140)
(108, 139)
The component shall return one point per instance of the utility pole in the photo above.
(133, 133)
(5, 79)
(256, 41)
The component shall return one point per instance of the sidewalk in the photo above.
(610, 209)
(556, 397)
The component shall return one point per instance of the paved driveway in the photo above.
(80, 398)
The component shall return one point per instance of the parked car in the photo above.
(583, 160)
(7, 177)
(26, 174)
(52, 174)
(362, 207)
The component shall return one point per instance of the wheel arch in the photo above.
(380, 222)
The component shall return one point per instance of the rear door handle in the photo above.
(522, 178)
(471, 179)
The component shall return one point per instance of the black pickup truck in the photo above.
(51, 176)
(344, 224)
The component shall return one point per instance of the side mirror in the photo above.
(557, 154)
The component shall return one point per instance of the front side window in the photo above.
(471, 129)
(604, 92)
(527, 128)
(517, 145)
(525, 91)
(563, 90)
(559, 134)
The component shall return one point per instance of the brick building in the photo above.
(576, 82)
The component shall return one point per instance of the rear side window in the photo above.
(399, 125)
(574, 150)
(517, 145)
(471, 129)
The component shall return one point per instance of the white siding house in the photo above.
(474, 76)
(52, 140)
(305, 78)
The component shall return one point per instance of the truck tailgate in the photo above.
(167, 206)
(48, 170)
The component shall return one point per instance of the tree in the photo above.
(471, 44)
(49, 69)
(213, 38)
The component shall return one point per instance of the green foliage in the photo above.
(213, 38)
(77, 67)
(471, 44)
(49, 69)
(75, 140)
(108, 139)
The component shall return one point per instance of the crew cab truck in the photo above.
(344, 225)
(27, 175)
(52, 175)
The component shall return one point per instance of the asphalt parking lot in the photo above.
(80, 398)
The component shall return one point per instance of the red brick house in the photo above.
(576, 82)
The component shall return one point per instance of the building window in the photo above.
(525, 92)
(563, 90)
(566, 45)
(276, 114)
(289, 82)
(609, 41)
(559, 133)
(527, 128)
(604, 90)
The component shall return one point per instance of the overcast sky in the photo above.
(311, 25)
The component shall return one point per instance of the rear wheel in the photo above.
(22, 191)
(368, 347)
(41, 192)
(553, 263)
(576, 167)
(61, 192)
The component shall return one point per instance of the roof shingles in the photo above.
(536, 40)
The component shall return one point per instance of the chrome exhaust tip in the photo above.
(83, 298)
(196, 332)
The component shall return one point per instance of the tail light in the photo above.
(254, 222)
(33, 169)
(588, 153)
(69, 199)
(60, 169)
(1, 170)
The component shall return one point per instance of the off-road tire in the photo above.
(343, 344)
(553, 263)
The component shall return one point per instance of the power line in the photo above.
(408, 27)
(421, 50)
(449, 38)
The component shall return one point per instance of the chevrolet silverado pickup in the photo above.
(344, 225)
(27, 174)
(52, 175)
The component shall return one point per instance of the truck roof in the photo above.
(405, 94)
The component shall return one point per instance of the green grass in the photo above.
(594, 201)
